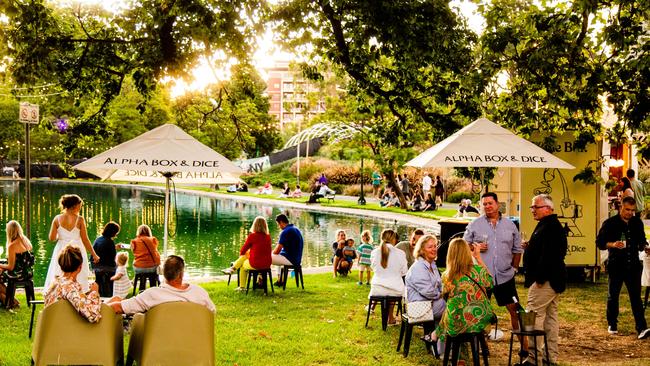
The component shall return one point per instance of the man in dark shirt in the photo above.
(288, 251)
(624, 237)
(546, 272)
(106, 250)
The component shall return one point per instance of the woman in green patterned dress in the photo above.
(468, 308)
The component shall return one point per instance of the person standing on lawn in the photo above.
(288, 251)
(639, 192)
(623, 236)
(427, 182)
(500, 244)
(546, 272)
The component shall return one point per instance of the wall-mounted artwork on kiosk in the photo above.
(577, 204)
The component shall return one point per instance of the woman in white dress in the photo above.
(70, 228)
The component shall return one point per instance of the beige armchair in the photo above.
(175, 333)
(63, 337)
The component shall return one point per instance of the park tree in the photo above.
(12, 130)
(88, 53)
(409, 64)
(553, 65)
(231, 116)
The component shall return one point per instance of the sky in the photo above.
(265, 55)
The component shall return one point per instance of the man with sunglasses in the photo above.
(546, 272)
(623, 236)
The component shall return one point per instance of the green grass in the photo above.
(324, 325)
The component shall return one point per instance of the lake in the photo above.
(207, 232)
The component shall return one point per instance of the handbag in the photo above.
(159, 268)
(419, 311)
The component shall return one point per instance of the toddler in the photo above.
(364, 251)
(121, 281)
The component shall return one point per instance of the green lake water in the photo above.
(207, 232)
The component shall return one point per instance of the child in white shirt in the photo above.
(121, 281)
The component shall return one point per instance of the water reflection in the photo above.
(207, 232)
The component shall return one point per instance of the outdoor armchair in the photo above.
(175, 333)
(63, 337)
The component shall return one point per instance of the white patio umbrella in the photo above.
(163, 154)
(483, 143)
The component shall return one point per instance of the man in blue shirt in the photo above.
(501, 251)
(288, 251)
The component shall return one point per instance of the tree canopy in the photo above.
(87, 52)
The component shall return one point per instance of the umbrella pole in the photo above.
(167, 178)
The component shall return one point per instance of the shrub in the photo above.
(456, 184)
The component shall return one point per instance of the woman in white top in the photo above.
(69, 228)
(389, 265)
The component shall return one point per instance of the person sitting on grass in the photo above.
(286, 191)
(242, 187)
(429, 203)
(173, 290)
(297, 193)
(417, 204)
(363, 253)
(323, 191)
(385, 198)
(266, 189)
(393, 201)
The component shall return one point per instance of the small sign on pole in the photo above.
(28, 113)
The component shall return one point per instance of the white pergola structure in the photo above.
(335, 130)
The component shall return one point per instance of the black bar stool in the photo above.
(528, 333)
(475, 341)
(13, 283)
(266, 275)
(142, 278)
(297, 272)
(384, 301)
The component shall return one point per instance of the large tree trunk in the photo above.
(397, 189)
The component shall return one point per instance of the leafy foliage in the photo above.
(551, 64)
(408, 65)
(232, 116)
(88, 52)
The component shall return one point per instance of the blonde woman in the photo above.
(389, 265)
(20, 260)
(255, 253)
(423, 282)
(69, 228)
(468, 308)
(146, 257)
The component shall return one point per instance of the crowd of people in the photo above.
(480, 265)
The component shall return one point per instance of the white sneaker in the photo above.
(644, 334)
(613, 331)
(372, 311)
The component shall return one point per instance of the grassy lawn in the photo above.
(324, 325)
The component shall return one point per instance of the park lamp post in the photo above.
(362, 199)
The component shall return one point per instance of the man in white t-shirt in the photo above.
(173, 290)
(426, 185)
